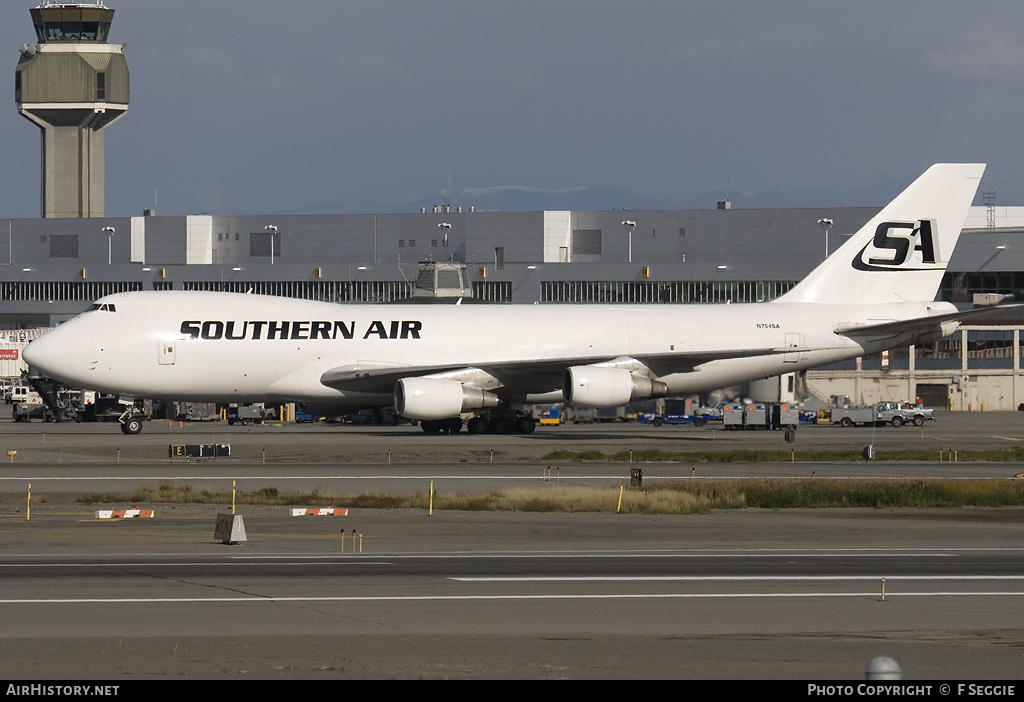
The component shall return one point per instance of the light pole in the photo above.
(826, 224)
(109, 231)
(447, 228)
(630, 225)
(273, 236)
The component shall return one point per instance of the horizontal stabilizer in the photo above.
(921, 323)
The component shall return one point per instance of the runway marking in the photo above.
(717, 553)
(1006, 438)
(179, 564)
(386, 559)
(238, 561)
(465, 598)
(717, 578)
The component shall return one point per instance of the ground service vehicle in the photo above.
(898, 414)
(681, 412)
(245, 414)
(878, 414)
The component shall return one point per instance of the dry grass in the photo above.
(677, 497)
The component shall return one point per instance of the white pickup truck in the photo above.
(900, 413)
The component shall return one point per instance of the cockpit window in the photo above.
(104, 307)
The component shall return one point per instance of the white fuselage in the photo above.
(248, 348)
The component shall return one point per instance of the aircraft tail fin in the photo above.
(902, 252)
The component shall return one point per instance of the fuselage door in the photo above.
(166, 352)
(792, 343)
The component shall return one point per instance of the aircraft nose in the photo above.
(53, 354)
(34, 354)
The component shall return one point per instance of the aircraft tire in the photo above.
(133, 425)
(500, 425)
(525, 425)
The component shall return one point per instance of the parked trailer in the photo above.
(243, 414)
(784, 415)
(746, 416)
(732, 416)
(761, 415)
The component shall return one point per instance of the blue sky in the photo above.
(248, 107)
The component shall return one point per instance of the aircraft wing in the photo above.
(533, 375)
(922, 323)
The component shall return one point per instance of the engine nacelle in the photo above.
(435, 398)
(597, 386)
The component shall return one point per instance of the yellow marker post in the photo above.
(232, 497)
(430, 511)
(28, 507)
(622, 487)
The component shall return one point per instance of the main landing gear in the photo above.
(511, 422)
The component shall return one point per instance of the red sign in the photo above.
(8, 354)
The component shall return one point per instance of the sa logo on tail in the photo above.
(893, 240)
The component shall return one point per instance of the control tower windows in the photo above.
(71, 23)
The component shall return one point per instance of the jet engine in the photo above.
(435, 398)
(597, 386)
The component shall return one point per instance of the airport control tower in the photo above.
(72, 84)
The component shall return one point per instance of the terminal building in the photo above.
(59, 263)
(57, 267)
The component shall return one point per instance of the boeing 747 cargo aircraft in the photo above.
(434, 362)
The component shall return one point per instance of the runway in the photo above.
(755, 594)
